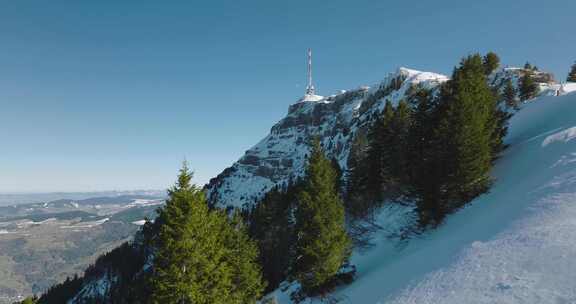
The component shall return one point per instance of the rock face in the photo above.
(280, 157)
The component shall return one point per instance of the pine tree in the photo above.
(397, 162)
(506, 102)
(339, 173)
(427, 146)
(246, 272)
(572, 74)
(271, 225)
(499, 120)
(509, 95)
(322, 245)
(528, 87)
(465, 132)
(358, 202)
(420, 137)
(201, 256)
(491, 62)
(379, 141)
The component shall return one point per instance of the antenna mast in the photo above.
(310, 90)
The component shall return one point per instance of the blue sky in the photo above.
(104, 95)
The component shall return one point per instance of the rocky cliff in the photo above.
(281, 156)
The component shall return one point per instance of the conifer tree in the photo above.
(246, 272)
(491, 62)
(509, 95)
(420, 137)
(322, 245)
(379, 141)
(271, 225)
(357, 200)
(572, 74)
(397, 162)
(339, 173)
(528, 87)
(499, 120)
(466, 130)
(201, 256)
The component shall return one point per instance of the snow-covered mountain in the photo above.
(281, 156)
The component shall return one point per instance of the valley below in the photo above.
(42, 243)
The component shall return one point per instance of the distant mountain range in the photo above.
(26, 198)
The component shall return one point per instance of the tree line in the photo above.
(193, 253)
(436, 146)
(300, 230)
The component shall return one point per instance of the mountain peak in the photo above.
(280, 158)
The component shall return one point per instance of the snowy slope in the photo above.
(516, 244)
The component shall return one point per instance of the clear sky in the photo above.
(104, 95)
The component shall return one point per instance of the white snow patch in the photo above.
(562, 136)
(312, 98)
(139, 223)
(145, 203)
(86, 224)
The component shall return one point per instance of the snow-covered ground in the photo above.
(515, 244)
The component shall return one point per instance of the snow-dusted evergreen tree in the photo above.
(528, 87)
(398, 160)
(420, 135)
(201, 255)
(509, 94)
(379, 139)
(358, 200)
(322, 245)
(463, 148)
